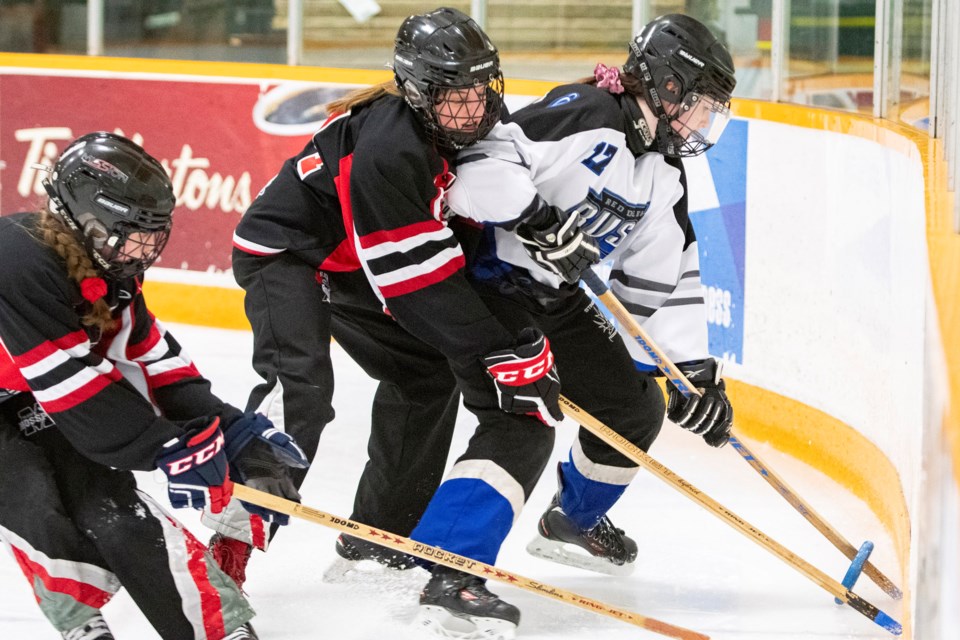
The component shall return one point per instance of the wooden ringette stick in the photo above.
(669, 369)
(814, 518)
(461, 563)
(636, 454)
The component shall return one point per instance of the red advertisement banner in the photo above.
(220, 141)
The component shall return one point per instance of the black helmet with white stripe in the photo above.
(688, 78)
(117, 198)
(448, 71)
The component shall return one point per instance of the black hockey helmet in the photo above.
(681, 63)
(117, 198)
(449, 73)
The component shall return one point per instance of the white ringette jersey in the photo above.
(573, 150)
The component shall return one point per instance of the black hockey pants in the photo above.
(473, 510)
(596, 370)
(415, 406)
(79, 530)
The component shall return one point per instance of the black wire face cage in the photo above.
(125, 252)
(457, 117)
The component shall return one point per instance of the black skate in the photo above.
(93, 629)
(458, 605)
(352, 552)
(245, 632)
(604, 549)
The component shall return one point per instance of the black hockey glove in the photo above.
(261, 457)
(554, 240)
(709, 415)
(525, 378)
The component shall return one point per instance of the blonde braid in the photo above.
(79, 266)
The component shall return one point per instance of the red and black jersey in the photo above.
(116, 397)
(367, 193)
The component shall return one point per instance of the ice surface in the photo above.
(693, 570)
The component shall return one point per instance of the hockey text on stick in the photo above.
(636, 454)
(676, 376)
(458, 562)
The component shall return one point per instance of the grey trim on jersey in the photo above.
(642, 297)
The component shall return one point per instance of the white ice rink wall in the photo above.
(826, 259)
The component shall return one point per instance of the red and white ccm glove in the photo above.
(526, 380)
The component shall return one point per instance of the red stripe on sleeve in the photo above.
(252, 251)
(10, 376)
(410, 285)
(82, 394)
(401, 233)
(42, 351)
(174, 375)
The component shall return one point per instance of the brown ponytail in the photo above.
(79, 266)
(362, 96)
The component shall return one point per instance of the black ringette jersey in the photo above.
(367, 192)
(93, 386)
(577, 149)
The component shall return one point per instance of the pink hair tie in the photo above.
(92, 289)
(608, 78)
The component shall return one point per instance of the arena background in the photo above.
(827, 237)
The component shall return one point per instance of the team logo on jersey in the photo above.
(609, 218)
(309, 165)
(564, 99)
(33, 419)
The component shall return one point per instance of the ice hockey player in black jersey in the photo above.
(602, 157)
(351, 239)
(92, 386)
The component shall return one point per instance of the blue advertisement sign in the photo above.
(721, 237)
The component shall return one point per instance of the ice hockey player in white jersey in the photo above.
(598, 162)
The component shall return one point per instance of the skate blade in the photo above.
(444, 624)
(573, 556)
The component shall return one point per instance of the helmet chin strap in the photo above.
(642, 124)
(666, 141)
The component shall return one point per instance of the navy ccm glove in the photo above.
(709, 415)
(260, 457)
(196, 467)
(526, 380)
